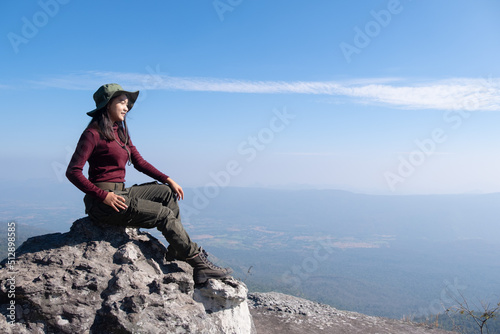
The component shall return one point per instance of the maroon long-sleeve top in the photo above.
(107, 160)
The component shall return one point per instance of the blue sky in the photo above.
(386, 97)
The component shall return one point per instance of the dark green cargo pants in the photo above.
(150, 205)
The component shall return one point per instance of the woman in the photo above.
(107, 147)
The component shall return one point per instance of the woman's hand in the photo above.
(176, 188)
(115, 201)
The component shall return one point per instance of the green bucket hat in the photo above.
(106, 92)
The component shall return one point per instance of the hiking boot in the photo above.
(203, 268)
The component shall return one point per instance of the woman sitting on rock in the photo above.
(107, 147)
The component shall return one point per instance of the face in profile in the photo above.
(118, 108)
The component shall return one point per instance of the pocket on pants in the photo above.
(143, 213)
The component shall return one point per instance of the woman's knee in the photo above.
(167, 194)
(152, 191)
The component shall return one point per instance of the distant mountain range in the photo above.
(379, 255)
(388, 256)
(431, 217)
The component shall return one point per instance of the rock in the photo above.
(278, 313)
(105, 279)
(226, 300)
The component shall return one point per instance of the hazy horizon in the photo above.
(380, 255)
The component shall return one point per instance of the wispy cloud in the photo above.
(463, 93)
(318, 154)
(433, 153)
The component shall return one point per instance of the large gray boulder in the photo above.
(104, 279)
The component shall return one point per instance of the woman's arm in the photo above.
(74, 172)
(145, 167)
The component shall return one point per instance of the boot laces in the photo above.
(204, 256)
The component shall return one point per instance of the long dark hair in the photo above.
(104, 126)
